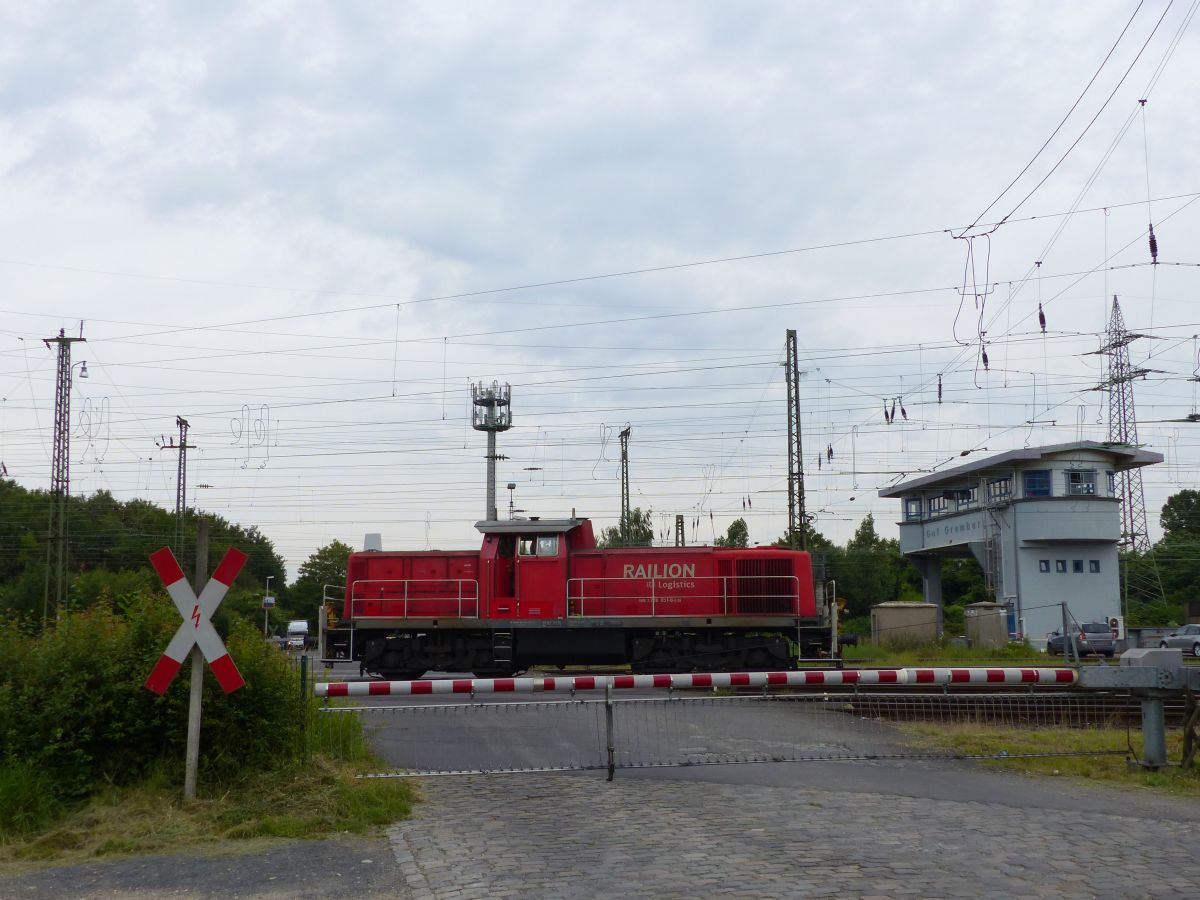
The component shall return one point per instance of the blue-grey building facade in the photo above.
(1044, 523)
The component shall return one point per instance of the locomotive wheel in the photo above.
(400, 674)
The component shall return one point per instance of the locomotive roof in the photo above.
(527, 526)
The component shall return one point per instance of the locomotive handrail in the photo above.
(458, 583)
(578, 599)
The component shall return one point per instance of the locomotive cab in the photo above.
(524, 565)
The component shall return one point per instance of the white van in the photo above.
(297, 634)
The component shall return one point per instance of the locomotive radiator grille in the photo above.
(764, 586)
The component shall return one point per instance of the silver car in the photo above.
(1186, 639)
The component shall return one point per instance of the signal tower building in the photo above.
(1044, 523)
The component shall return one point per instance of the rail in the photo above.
(676, 595)
(816, 678)
(423, 600)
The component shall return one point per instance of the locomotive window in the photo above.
(508, 545)
(527, 547)
(547, 545)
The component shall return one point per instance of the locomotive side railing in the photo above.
(462, 592)
(668, 596)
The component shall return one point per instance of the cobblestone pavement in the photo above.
(690, 834)
(576, 836)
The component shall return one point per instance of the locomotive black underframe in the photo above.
(407, 648)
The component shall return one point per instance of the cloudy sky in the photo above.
(308, 227)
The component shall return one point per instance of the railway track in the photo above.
(1020, 709)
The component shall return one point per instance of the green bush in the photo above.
(27, 800)
(73, 705)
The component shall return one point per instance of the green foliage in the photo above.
(27, 801)
(963, 582)
(636, 529)
(108, 536)
(338, 735)
(102, 587)
(1160, 582)
(868, 570)
(943, 651)
(72, 702)
(1181, 515)
(860, 625)
(738, 535)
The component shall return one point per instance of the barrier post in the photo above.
(1154, 733)
(608, 726)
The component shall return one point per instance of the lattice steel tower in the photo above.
(797, 516)
(1122, 427)
(180, 480)
(624, 525)
(491, 412)
(60, 473)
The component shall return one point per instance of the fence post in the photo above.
(305, 706)
(608, 725)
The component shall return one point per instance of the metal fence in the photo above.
(423, 736)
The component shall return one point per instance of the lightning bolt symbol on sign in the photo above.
(196, 616)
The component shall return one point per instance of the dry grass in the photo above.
(320, 799)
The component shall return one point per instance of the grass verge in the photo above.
(319, 799)
(934, 653)
(977, 740)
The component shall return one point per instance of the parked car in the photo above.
(1186, 638)
(1092, 637)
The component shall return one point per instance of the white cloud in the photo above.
(287, 159)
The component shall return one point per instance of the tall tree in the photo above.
(866, 575)
(326, 565)
(1181, 515)
(737, 535)
(635, 530)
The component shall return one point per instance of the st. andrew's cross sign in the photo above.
(197, 627)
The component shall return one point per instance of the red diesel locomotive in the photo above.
(541, 592)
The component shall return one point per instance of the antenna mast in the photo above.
(491, 411)
(1122, 428)
(797, 516)
(60, 471)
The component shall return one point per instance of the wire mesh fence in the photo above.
(426, 738)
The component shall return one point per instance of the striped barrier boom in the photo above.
(808, 678)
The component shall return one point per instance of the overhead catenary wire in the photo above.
(1059, 126)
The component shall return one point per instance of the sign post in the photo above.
(197, 637)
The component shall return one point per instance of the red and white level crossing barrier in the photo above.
(809, 678)
(197, 627)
